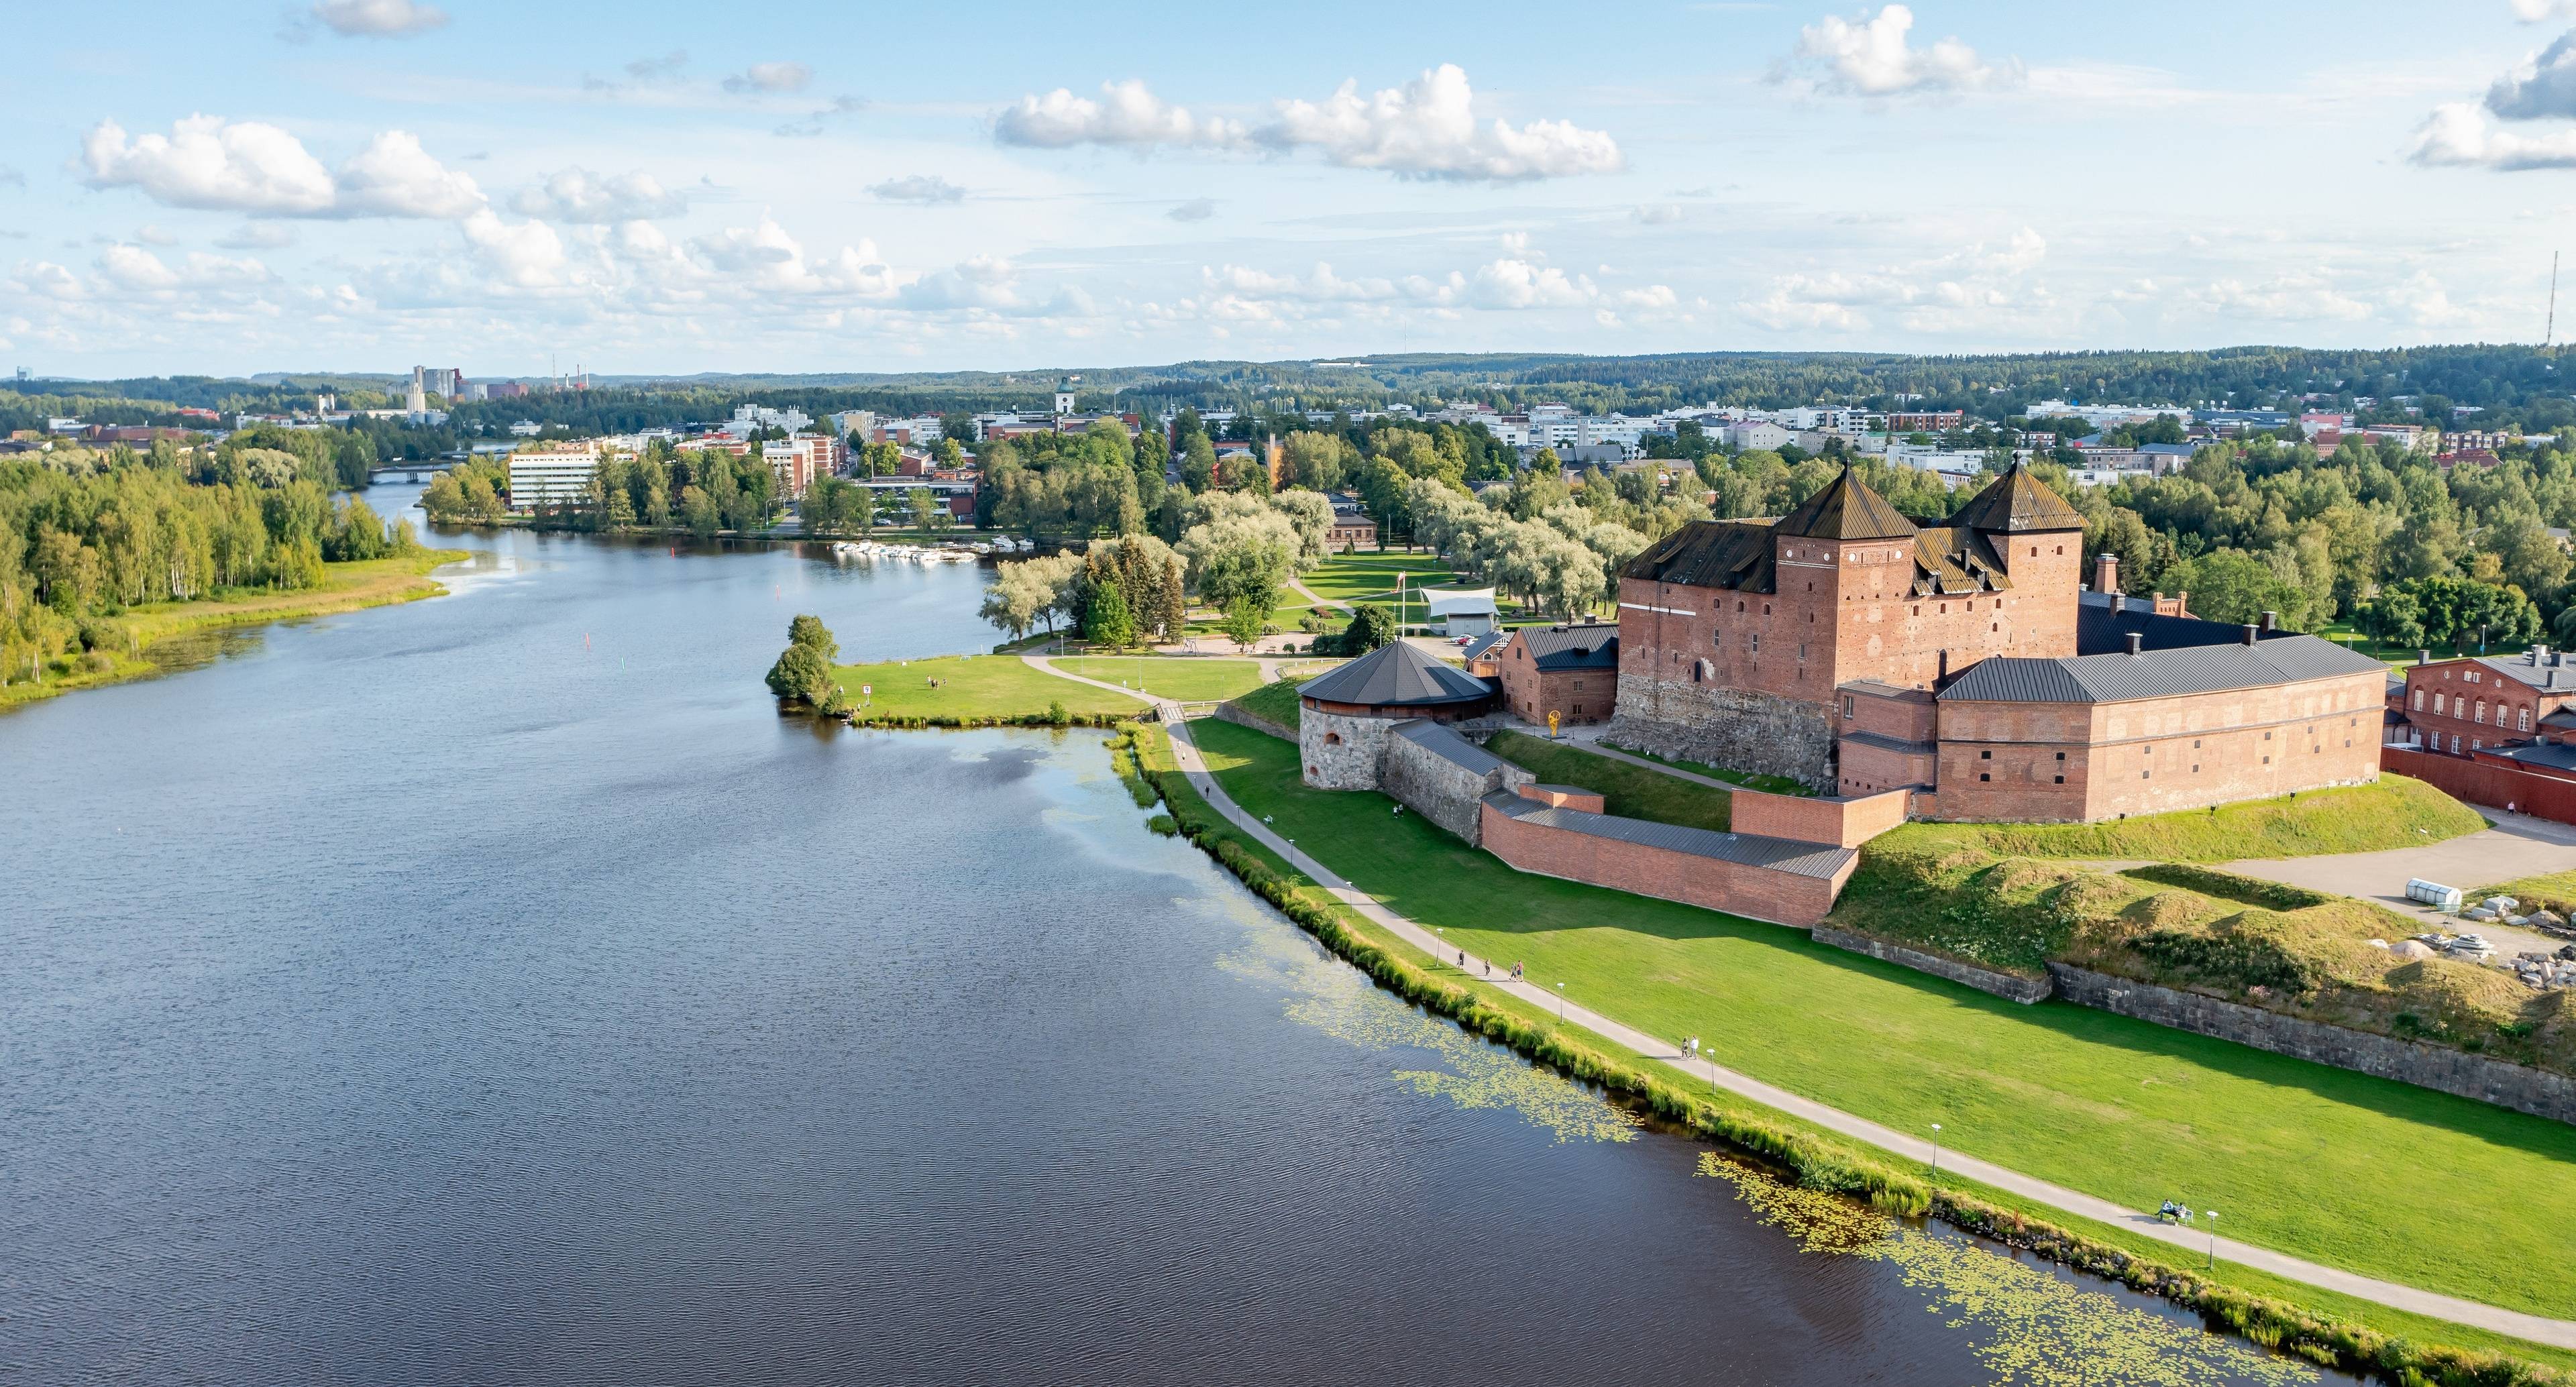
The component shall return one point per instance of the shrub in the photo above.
(2244, 890)
(2254, 948)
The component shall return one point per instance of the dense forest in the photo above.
(86, 536)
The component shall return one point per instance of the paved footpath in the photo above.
(1906, 1146)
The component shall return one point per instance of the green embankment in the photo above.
(1276, 702)
(1631, 792)
(2379, 1177)
(971, 691)
(2322, 1326)
(1768, 784)
(2553, 891)
(2391, 812)
(346, 587)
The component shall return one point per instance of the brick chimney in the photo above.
(2252, 634)
(2106, 573)
(2271, 621)
(2136, 641)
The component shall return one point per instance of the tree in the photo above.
(1369, 629)
(1246, 622)
(803, 672)
(2232, 585)
(1107, 621)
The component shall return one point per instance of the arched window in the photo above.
(1332, 739)
(1702, 671)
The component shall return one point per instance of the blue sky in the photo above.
(366, 184)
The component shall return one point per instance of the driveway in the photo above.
(2517, 846)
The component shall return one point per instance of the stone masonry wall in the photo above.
(1341, 752)
(1740, 729)
(2470, 1076)
(1440, 789)
(2005, 985)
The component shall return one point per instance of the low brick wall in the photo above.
(1565, 797)
(1227, 712)
(1785, 898)
(2004, 985)
(2515, 1086)
(2485, 782)
(1845, 823)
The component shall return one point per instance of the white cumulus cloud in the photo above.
(378, 18)
(1426, 128)
(2543, 87)
(258, 236)
(767, 258)
(207, 162)
(770, 77)
(1872, 55)
(577, 195)
(246, 166)
(2534, 11)
(924, 188)
(2459, 134)
(529, 255)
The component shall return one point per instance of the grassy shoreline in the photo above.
(346, 587)
(2320, 1326)
(2322, 1163)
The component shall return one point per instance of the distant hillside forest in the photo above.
(2506, 385)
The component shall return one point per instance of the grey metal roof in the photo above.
(1437, 739)
(1396, 675)
(2556, 756)
(2154, 673)
(1485, 643)
(2101, 631)
(1887, 743)
(1574, 646)
(1744, 849)
(2543, 676)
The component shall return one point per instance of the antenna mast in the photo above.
(2550, 333)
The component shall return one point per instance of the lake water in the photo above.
(496, 988)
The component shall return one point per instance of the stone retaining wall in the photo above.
(1441, 790)
(1737, 728)
(1240, 717)
(2515, 1086)
(2005, 985)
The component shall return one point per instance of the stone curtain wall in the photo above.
(1739, 729)
(1228, 712)
(2534, 1091)
(2005, 985)
(1341, 752)
(1440, 789)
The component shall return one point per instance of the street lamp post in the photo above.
(2213, 1239)
(1560, 1003)
(1936, 1153)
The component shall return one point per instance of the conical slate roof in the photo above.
(1396, 675)
(2017, 502)
(1845, 509)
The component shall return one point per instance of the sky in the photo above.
(649, 188)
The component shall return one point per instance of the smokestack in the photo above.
(2250, 633)
(2135, 641)
(2423, 656)
(2271, 620)
(2106, 573)
(2118, 600)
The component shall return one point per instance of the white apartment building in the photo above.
(526, 428)
(1754, 433)
(2104, 416)
(747, 418)
(555, 475)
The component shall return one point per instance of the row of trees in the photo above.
(1236, 553)
(84, 537)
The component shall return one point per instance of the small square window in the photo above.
(1985, 756)
(2061, 756)
(1984, 777)
(2061, 780)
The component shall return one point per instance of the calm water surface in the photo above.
(496, 989)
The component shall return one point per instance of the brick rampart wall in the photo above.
(2484, 782)
(1759, 892)
(1844, 823)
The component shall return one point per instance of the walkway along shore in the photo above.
(2535, 1328)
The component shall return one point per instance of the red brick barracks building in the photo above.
(1857, 651)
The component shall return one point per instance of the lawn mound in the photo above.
(2391, 812)
(1631, 792)
(2298, 953)
(1274, 703)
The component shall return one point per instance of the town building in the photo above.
(1463, 611)
(1858, 651)
(2465, 706)
(1565, 673)
(556, 474)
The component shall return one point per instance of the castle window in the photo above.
(1983, 776)
(1985, 756)
(1578, 684)
(1847, 705)
(2061, 756)
(1332, 739)
(2061, 549)
(2146, 775)
(1702, 671)
(1717, 640)
(2419, 700)
(2061, 780)
(1757, 642)
(2195, 768)
(2525, 721)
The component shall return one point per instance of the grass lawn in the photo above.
(1368, 577)
(2342, 633)
(2379, 1177)
(346, 587)
(2392, 812)
(971, 688)
(1190, 680)
(1772, 784)
(1276, 702)
(1631, 792)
